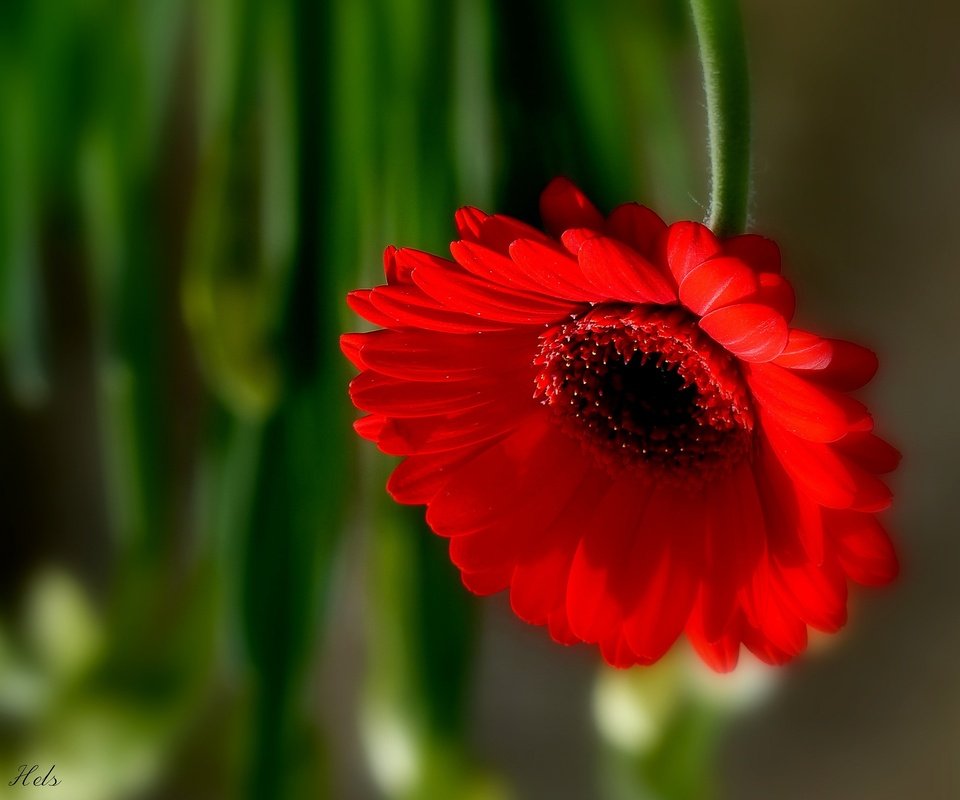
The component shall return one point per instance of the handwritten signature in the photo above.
(26, 776)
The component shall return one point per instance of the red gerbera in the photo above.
(617, 422)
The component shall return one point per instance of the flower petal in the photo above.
(734, 543)
(460, 291)
(621, 273)
(502, 541)
(497, 231)
(836, 363)
(469, 221)
(408, 306)
(428, 356)
(774, 633)
(395, 273)
(688, 245)
(720, 655)
(486, 582)
(483, 489)
(538, 589)
(594, 602)
(751, 332)
(851, 366)
(361, 304)
(350, 346)
(636, 225)
(775, 291)
(870, 452)
(824, 474)
(760, 253)
(370, 427)
(557, 272)
(863, 547)
(804, 351)
(674, 519)
(396, 397)
(795, 533)
(404, 436)
(816, 593)
(495, 266)
(717, 283)
(417, 479)
(809, 411)
(563, 205)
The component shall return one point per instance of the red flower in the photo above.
(618, 423)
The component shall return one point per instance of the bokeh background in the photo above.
(205, 592)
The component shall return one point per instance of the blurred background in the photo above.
(205, 592)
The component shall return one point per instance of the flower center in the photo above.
(645, 386)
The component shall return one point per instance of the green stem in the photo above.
(724, 59)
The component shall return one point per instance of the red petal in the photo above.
(485, 487)
(775, 291)
(409, 307)
(617, 653)
(735, 541)
(863, 548)
(573, 238)
(469, 221)
(487, 582)
(721, 655)
(460, 291)
(761, 254)
(428, 356)
(658, 614)
(556, 271)
(804, 351)
(870, 452)
(751, 332)
(623, 274)
(851, 366)
(594, 602)
(688, 245)
(539, 586)
(775, 633)
(563, 205)
(499, 232)
(370, 427)
(825, 475)
(717, 283)
(360, 303)
(794, 521)
(814, 413)
(636, 225)
(507, 535)
(780, 500)
(418, 478)
(392, 271)
(442, 432)
(764, 648)
(836, 363)
(533, 277)
(396, 397)
(816, 593)
(351, 345)
(493, 265)
(559, 627)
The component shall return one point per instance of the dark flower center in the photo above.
(644, 386)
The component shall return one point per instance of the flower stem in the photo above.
(724, 60)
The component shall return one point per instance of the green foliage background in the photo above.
(187, 191)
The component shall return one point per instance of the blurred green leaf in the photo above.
(244, 225)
